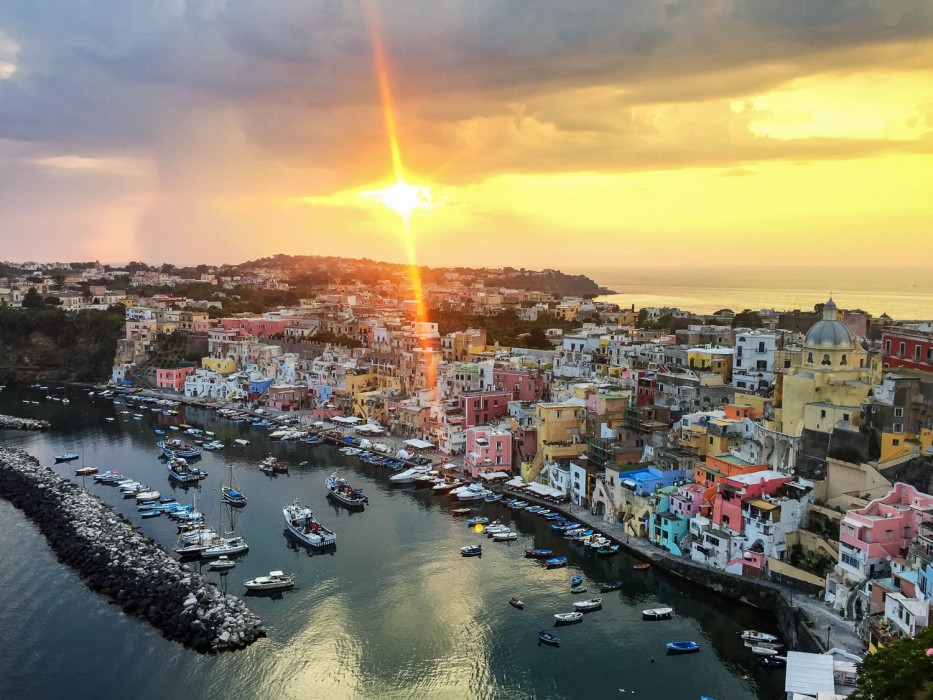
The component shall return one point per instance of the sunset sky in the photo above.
(551, 133)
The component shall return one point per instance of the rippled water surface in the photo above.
(394, 612)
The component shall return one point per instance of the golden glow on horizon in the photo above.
(403, 198)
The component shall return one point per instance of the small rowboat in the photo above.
(86, 471)
(657, 614)
(516, 603)
(459, 511)
(611, 586)
(479, 520)
(641, 566)
(578, 589)
(765, 651)
(547, 638)
(756, 636)
(555, 562)
(568, 618)
(773, 661)
(576, 580)
(472, 551)
(682, 647)
(591, 604)
(538, 553)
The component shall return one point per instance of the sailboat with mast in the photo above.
(193, 544)
(228, 544)
(231, 494)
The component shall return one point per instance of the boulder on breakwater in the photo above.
(119, 562)
(15, 423)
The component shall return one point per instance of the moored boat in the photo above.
(576, 580)
(221, 563)
(765, 651)
(773, 661)
(459, 511)
(578, 589)
(473, 550)
(226, 545)
(179, 470)
(340, 490)
(66, 457)
(85, 471)
(506, 536)
(607, 551)
(568, 618)
(590, 604)
(538, 553)
(611, 586)
(685, 647)
(548, 638)
(756, 636)
(276, 580)
(478, 520)
(304, 526)
(641, 566)
(516, 603)
(657, 614)
(555, 562)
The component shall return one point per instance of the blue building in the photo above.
(647, 480)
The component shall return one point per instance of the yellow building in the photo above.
(834, 371)
(561, 431)
(221, 365)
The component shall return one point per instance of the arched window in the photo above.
(826, 360)
(810, 357)
(843, 361)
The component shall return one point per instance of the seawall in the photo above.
(14, 423)
(115, 560)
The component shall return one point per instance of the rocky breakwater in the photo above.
(119, 562)
(14, 423)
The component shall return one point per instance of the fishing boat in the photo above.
(518, 505)
(340, 490)
(447, 486)
(473, 492)
(425, 480)
(271, 465)
(607, 551)
(85, 471)
(276, 580)
(493, 497)
(538, 553)
(151, 513)
(548, 638)
(221, 563)
(682, 647)
(576, 580)
(578, 589)
(159, 431)
(506, 536)
(460, 511)
(641, 566)
(568, 618)
(756, 636)
(516, 603)
(496, 527)
(231, 494)
(241, 441)
(478, 520)
(176, 448)
(611, 586)
(147, 496)
(773, 661)
(180, 471)
(590, 604)
(556, 562)
(66, 457)
(473, 550)
(657, 614)
(304, 526)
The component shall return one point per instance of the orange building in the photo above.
(718, 468)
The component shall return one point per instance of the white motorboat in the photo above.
(496, 528)
(566, 618)
(473, 492)
(304, 526)
(221, 563)
(275, 580)
(148, 496)
(447, 485)
(241, 441)
(408, 476)
(756, 636)
(590, 604)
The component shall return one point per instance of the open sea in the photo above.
(904, 294)
(393, 612)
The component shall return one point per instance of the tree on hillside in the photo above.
(903, 670)
(747, 319)
(33, 300)
(642, 319)
(53, 301)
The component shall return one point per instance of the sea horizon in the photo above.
(903, 294)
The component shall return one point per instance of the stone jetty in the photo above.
(14, 423)
(117, 561)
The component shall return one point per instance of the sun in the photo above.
(404, 198)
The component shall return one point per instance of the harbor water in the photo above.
(392, 612)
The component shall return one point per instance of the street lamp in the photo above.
(828, 628)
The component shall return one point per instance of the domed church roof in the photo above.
(828, 332)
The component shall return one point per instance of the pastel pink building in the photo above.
(288, 398)
(871, 536)
(688, 501)
(481, 407)
(487, 450)
(734, 491)
(525, 384)
(256, 327)
(173, 378)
